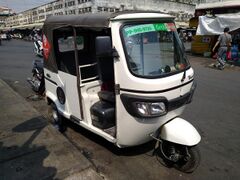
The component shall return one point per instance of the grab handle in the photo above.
(48, 75)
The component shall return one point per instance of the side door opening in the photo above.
(88, 80)
(64, 50)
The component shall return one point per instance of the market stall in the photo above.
(210, 27)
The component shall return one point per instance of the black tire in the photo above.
(41, 90)
(192, 163)
(160, 157)
(186, 165)
(56, 119)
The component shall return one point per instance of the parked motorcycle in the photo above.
(38, 48)
(37, 80)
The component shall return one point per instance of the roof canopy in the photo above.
(87, 20)
(99, 20)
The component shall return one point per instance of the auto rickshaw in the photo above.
(125, 77)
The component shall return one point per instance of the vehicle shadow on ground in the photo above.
(25, 161)
(146, 148)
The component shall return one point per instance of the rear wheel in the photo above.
(56, 119)
(42, 88)
(183, 158)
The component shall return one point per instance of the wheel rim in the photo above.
(192, 163)
(186, 163)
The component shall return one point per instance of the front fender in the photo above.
(180, 131)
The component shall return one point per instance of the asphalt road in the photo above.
(215, 112)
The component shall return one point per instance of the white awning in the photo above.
(216, 25)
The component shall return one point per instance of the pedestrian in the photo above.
(225, 41)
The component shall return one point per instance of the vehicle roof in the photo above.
(101, 19)
(88, 20)
(143, 15)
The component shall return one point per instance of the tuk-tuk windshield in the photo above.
(153, 50)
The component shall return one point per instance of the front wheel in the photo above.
(191, 163)
(183, 158)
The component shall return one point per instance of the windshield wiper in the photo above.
(185, 58)
(184, 75)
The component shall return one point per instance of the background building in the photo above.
(4, 13)
(183, 10)
(213, 1)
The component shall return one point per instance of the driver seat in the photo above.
(106, 72)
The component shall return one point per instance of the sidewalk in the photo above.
(30, 148)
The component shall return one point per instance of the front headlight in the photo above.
(147, 109)
(142, 108)
(158, 108)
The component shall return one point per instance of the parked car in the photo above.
(4, 36)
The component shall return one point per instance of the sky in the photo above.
(22, 5)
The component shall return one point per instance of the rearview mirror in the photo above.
(103, 46)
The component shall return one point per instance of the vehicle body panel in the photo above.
(130, 130)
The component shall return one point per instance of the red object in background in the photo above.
(229, 55)
(180, 66)
(46, 47)
(214, 56)
(171, 26)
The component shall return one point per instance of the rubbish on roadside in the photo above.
(34, 97)
(207, 54)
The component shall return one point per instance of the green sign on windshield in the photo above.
(133, 30)
(160, 27)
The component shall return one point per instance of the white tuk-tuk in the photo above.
(123, 76)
